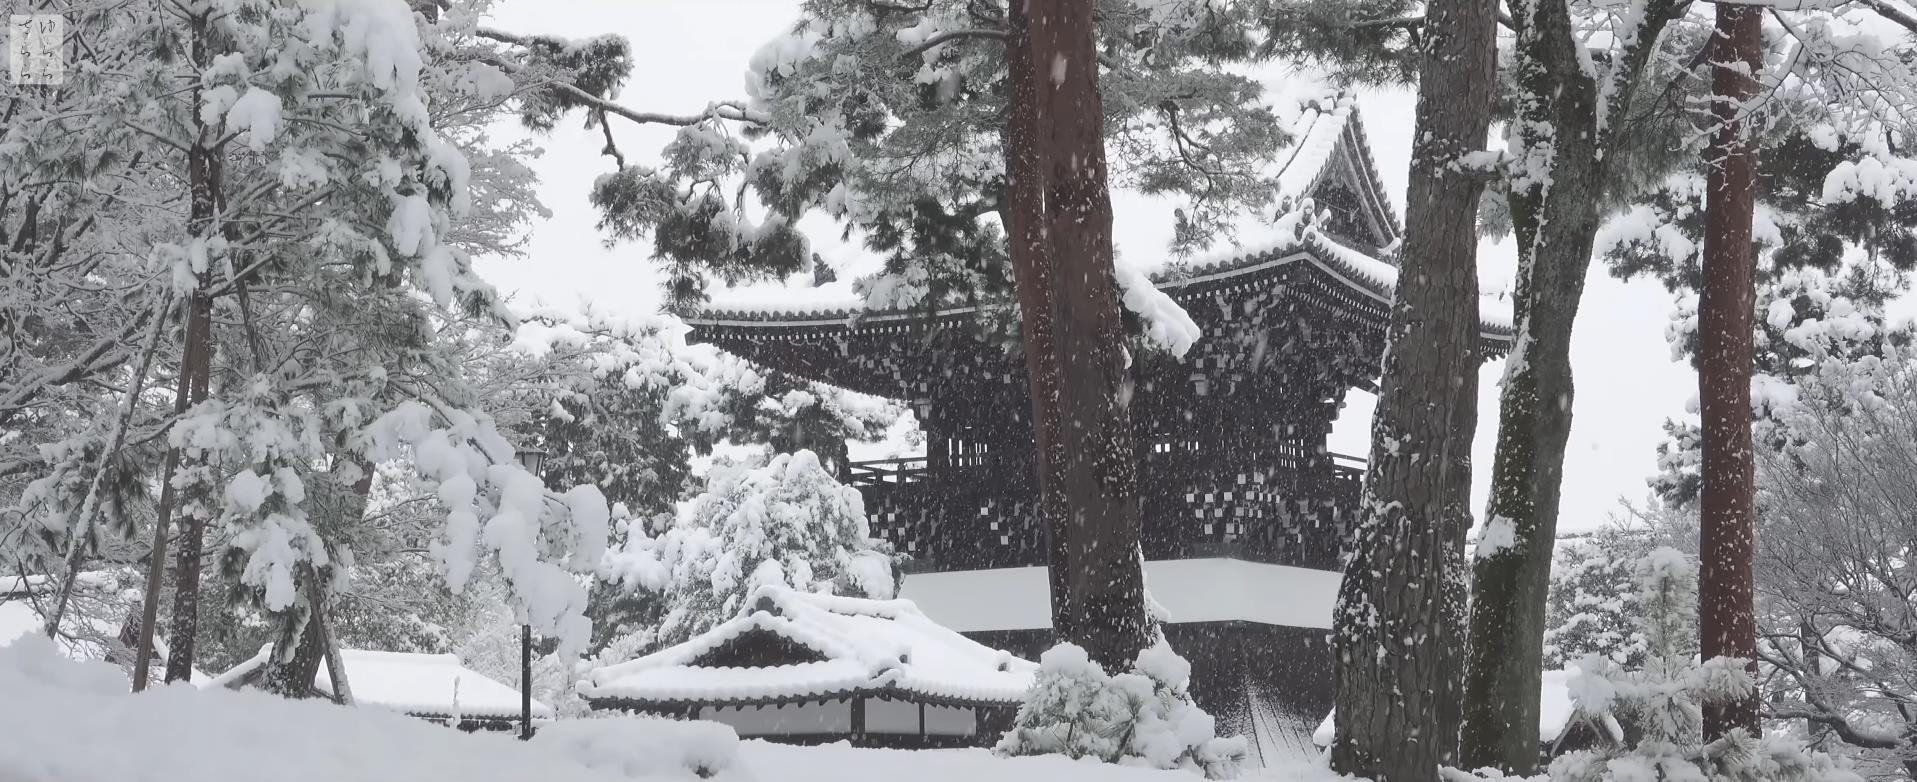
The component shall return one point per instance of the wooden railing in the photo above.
(973, 512)
(899, 471)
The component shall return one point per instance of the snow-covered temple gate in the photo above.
(1234, 469)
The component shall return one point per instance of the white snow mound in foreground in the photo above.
(67, 721)
(644, 747)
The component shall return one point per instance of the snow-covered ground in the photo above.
(840, 763)
(68, 721)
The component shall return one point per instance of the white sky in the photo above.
(690, 52)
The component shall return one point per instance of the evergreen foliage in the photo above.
(789, 523)
(1592, 606)
(888, 118)
(1143, 717)
(1658, 706)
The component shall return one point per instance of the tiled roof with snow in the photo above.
(1317, 135)
(436, 685)
(1212, 589)
(868, 646)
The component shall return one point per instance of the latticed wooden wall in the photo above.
(1231, 436)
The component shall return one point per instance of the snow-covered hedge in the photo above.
(1145, 717)
(643, 747)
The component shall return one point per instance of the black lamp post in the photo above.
(530, 458)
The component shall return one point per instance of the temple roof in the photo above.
(833, 646)
(1329, 145)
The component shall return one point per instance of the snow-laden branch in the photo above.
(728, 110)
(104, 352)
(935, 40)
(1892, 13)
(1851, 734)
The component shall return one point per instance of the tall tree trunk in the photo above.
(195, 504)
(1724, 359)
(1556, 214)
(296, 657)
(1400, 617)
(1080, 380)
(156, 564)
(196, 366)
(292, 675)
(1023, 212)
(1555, 217)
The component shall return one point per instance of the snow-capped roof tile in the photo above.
(863, 646)
(1325, 125)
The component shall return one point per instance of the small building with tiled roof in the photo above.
(809, 668)
(436, 687)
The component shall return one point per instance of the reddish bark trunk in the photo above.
(1024, 217)
(1100, 467)
(1724, 359)
(1061, 223)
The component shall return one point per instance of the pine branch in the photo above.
(729, 110)
(88, 507)
(935, 40)
(1416, 23)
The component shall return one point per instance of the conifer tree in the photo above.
(1401, 604)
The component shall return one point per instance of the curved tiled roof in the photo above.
(862, 646)
(1354, 268)
(1325, 126)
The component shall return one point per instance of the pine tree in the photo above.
(1579, 138)
(1658, 708)
(326, 274)
(788, 523)
(1402, 600)
(1592, 606)
(1724, 358)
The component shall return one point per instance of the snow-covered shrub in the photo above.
(1658, 707)
(789, 522)
(646, 747)
(1145, 717)
(1592, 605)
